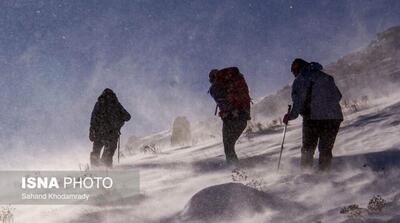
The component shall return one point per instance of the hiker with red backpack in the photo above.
(316, 98)
(231, 93)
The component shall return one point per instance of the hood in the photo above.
(315, 66)
(107, 95)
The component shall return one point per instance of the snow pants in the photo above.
(231, 131)
(322, 133)
(110, 145)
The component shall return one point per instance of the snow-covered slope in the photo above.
(366, 163)
(176, 182)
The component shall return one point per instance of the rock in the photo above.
(224, 202)
(181, 134)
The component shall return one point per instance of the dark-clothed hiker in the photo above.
(316, 98)
(108, 117)
(230, 92)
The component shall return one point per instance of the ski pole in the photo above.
(283, 139)
(119, 145)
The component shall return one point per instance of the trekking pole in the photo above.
(283, 139)
(119, 146)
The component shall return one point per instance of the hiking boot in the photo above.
(306, 160)
(232, 161)
(324, 162)
(94, 159)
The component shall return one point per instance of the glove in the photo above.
(92, 135)
(286, 119)
(235, 113)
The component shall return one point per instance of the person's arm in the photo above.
(124, 114)
(338, 93)
(94, 117)
(93, 122)
(219, 97)
(299, 94)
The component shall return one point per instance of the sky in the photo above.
(56, 57)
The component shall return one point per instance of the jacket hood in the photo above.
(108, 95)
(315, 66)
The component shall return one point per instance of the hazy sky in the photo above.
(57, 56)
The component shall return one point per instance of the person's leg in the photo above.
(329, 131)
(231, 131)
(310, 141)
(228, 141)
(95, 154)
(109, 150)
(239, 127)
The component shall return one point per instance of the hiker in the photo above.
(108, 117)
(230, 92)
(316, 98)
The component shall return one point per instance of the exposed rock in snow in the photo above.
(228, 201)
(224, 201)
(181, 133)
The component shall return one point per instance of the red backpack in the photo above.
(233, 83)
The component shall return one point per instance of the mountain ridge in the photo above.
(355, 74)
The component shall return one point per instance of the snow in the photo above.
(189, 184)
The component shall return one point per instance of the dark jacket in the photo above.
(108, 116)
(220, 96)
(315, 95)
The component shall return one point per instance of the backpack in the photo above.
(325, 97)
(234, 89)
